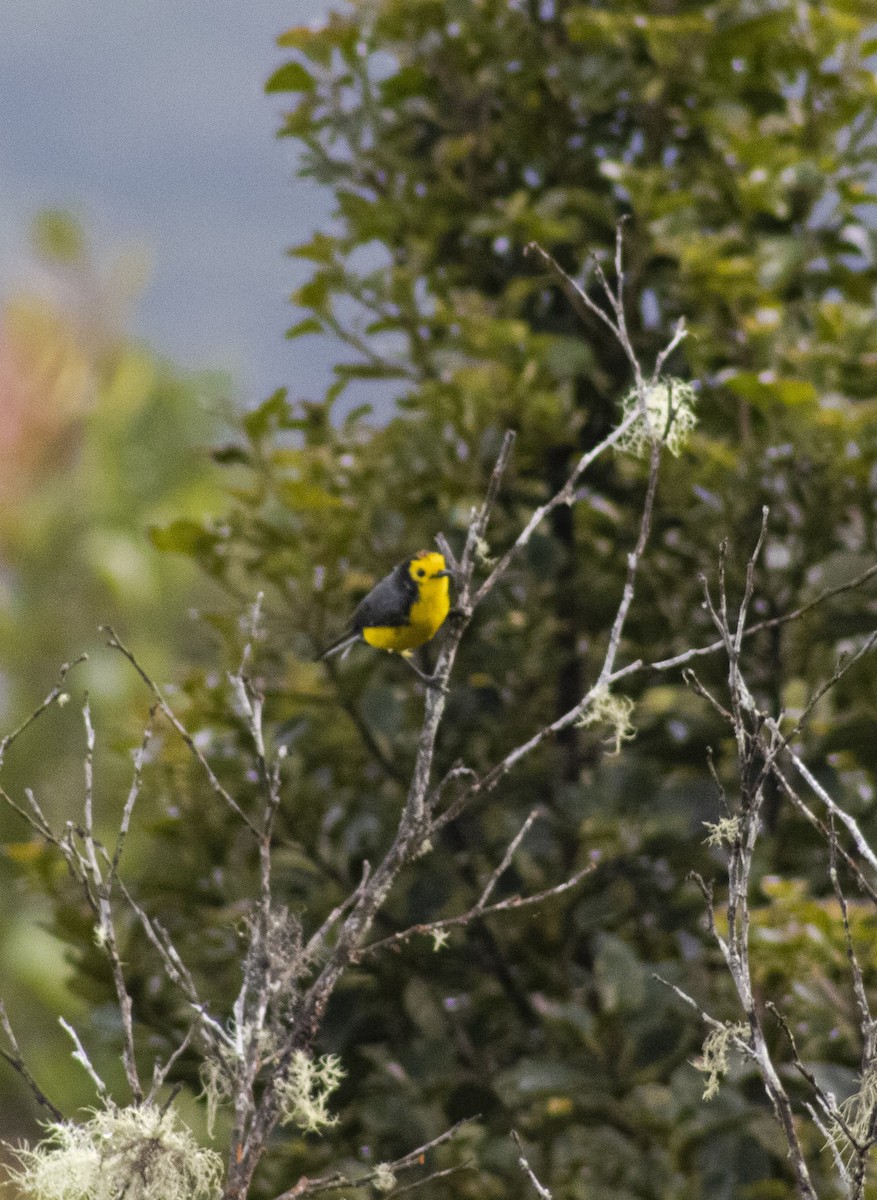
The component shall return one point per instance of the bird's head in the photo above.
(427, 565)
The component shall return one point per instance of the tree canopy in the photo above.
(737, 144)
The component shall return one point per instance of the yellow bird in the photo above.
(404, 610)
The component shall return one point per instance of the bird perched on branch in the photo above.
(404, 610)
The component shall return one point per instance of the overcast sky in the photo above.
(150, 122)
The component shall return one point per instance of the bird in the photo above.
(405, 610)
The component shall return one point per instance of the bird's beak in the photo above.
(442, 575)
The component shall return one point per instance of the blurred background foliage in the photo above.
(99, 438)
(738, 140)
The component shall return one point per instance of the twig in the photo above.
(54, 695)
(468, 1165)
(103, 907)
(687, 656)
(332, 1183)
(835, 810)
(133, 793)
(826, 1101)
(479, 910)
(160, 1071)
(82, 1058)
(564, 496)
(115, 644)
(16, 1061)
(511, 849)
(852, 866)
(866, 1020)
(711, 1021)
(315, 944)
(541, 1190)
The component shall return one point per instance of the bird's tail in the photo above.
(342, 646)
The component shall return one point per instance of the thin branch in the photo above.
(432, 928)
(160, 1071)
(835, 810)
(541, 1190)
(711, 1021)
(53, 697)
(866, 1020)
(633, 562)
(133, 793)
(686, 656)
(337, 1181)
(16, 1061)
(852, 866)
(315, 944)
(511, 850)
(174, 967)
(115, 644)
(468, 1165)
(492, 777)
(104, 912)
(80, 1056)
(566, 495)
(826, 1101)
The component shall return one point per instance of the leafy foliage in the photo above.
(738, 141)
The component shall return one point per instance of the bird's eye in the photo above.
(420, 573)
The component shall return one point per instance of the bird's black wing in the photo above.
(389, 602)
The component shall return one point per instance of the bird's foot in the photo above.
(430, 680)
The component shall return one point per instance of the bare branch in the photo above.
(104, 913)
(14, 1057)
(53, 697)
(316, 943)
(566, 495)
(115, 644)
(432, 928)
(337, 1181)
(133, 793)
(866, 1020)
(687, 656)
(541, 1190)
(82, 1058)
(160, 1071)
(508, 856)
(835, 810)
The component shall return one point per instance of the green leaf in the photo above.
(308, 325)
(371, 371)
(316, 44)
(306, 496)
(410, 81)
(270, 414)
(230, 455)
(766, 393)
(313, 294)
(58, 237)
(183, 536)
(320, 249)
(291, 77)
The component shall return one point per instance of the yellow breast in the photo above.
(425, 618)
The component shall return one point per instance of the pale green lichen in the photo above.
(215, 1081)
(384, 1180)
(439, 939)
(140, 1153)
(482, 553)
(304, 1093)
(725, 832)
(666, 415)
(857, 1113)
(614, 711)
(714, 1056)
